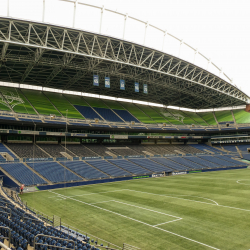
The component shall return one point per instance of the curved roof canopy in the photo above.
(64, 58)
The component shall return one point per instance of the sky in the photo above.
(219, 29)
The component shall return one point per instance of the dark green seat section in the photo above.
(195, 117)
(241, 116)
(40, 102)
(183, 117)
(114, 104)
(95, 102)
(3, 104)
(153, 114)
(17, 100)
(168, 115)
(75, 100)
(62, 104)
(139, 114)
(208, 117)
(224, 116)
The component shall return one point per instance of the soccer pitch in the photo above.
(194, 211)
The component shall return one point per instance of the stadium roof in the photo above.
(65, 58)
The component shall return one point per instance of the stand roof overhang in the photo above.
(64, 58)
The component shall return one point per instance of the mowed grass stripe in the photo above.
(135, 220)
(217, 226)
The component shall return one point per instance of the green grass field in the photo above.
(194, 211)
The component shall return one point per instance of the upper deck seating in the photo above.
(170, 115)
(22, 174)
(108, 168)
(27, 150)
(126, 116)
(88, 112)
(138, 113)
(129, 166)
(224, 116)
(16, 100)
(196, 118)
(40, 102)
(63, 105)
(108, 115)
(153, 114)
(84, 169)
(241, 116)
(208, 117)
(54, 172)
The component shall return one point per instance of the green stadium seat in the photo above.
(241, 116)
(40, 102)
(224, 116)
(208, 117)
(17, 101)
(63, 105)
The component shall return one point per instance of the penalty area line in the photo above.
(181, 236)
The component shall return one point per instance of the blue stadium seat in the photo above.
(23, 174)
(129, 166)
(54, 172)
(84, 169)
(150, 165)
(108, 168)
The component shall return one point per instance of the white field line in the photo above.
(190, 200)
(147, 209)
(90, 193)
(166, 222)
(200, 197)
(137, 221)
(101, 202)
(243, 183)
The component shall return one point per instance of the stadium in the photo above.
(118, 145)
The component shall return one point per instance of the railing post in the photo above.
(8, 8)
(74, 15)
(124, 28)
(164, 37)
(102, 11)
(145, 34)
(43, 11)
